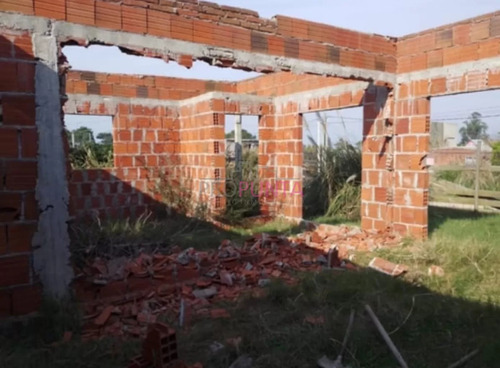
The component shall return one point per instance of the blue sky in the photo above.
(388, 17)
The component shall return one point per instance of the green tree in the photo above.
(244, 134)
(474, 128)
(105, 138)
(82, 136)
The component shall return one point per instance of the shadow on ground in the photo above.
(429, 329)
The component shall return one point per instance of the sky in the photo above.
(388, 17)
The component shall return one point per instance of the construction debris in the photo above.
(131, 293)
(387, 267)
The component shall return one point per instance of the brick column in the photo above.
(288, 160)
(411, 187)
(377, 159)
(203, 158)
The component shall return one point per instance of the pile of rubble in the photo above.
(122, 297)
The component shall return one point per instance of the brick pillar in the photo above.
(217, 171)
(411, 186)
(202, 157)
(377, 159)
(267, 158)
(288, 160)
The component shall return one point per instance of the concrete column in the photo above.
(51, 243)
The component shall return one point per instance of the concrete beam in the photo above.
(74, 101)
(111, 103)
(241, 59)
(302, 98)
(451, 71)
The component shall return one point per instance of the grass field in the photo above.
(434, 321)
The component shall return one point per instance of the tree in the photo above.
(105, 138)
(82, 136)
(244, 134)
(475, 128)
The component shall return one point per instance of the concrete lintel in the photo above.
(111, 103)
(302, 98)
(23, 22)
(234, 97)
(455, 70)
(242, 59)
(51, 255)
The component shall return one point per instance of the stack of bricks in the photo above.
(19, 289)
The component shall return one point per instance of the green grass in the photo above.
(433, 321)
(431, 330)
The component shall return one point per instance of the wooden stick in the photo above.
(347, 333)
(386, 337)
(464, 359)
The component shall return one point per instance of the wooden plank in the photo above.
(465, 200)
(470, 192)
(464, 168)
(477, 176)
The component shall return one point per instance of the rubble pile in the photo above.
(122, 297)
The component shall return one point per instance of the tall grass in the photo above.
(332, 178)
(91, 156)
(247, 204)
(487, 180)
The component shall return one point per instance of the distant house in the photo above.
(465, 155)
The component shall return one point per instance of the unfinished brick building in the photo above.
(165, 123)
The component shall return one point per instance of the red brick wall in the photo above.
(20, 290)
(456, 156)
(281, 143)
(377, 158)
(132, 86)
(145, 144)
(223, 26)
(279, 84)
(468, 40)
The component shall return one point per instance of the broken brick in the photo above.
(387, 267)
